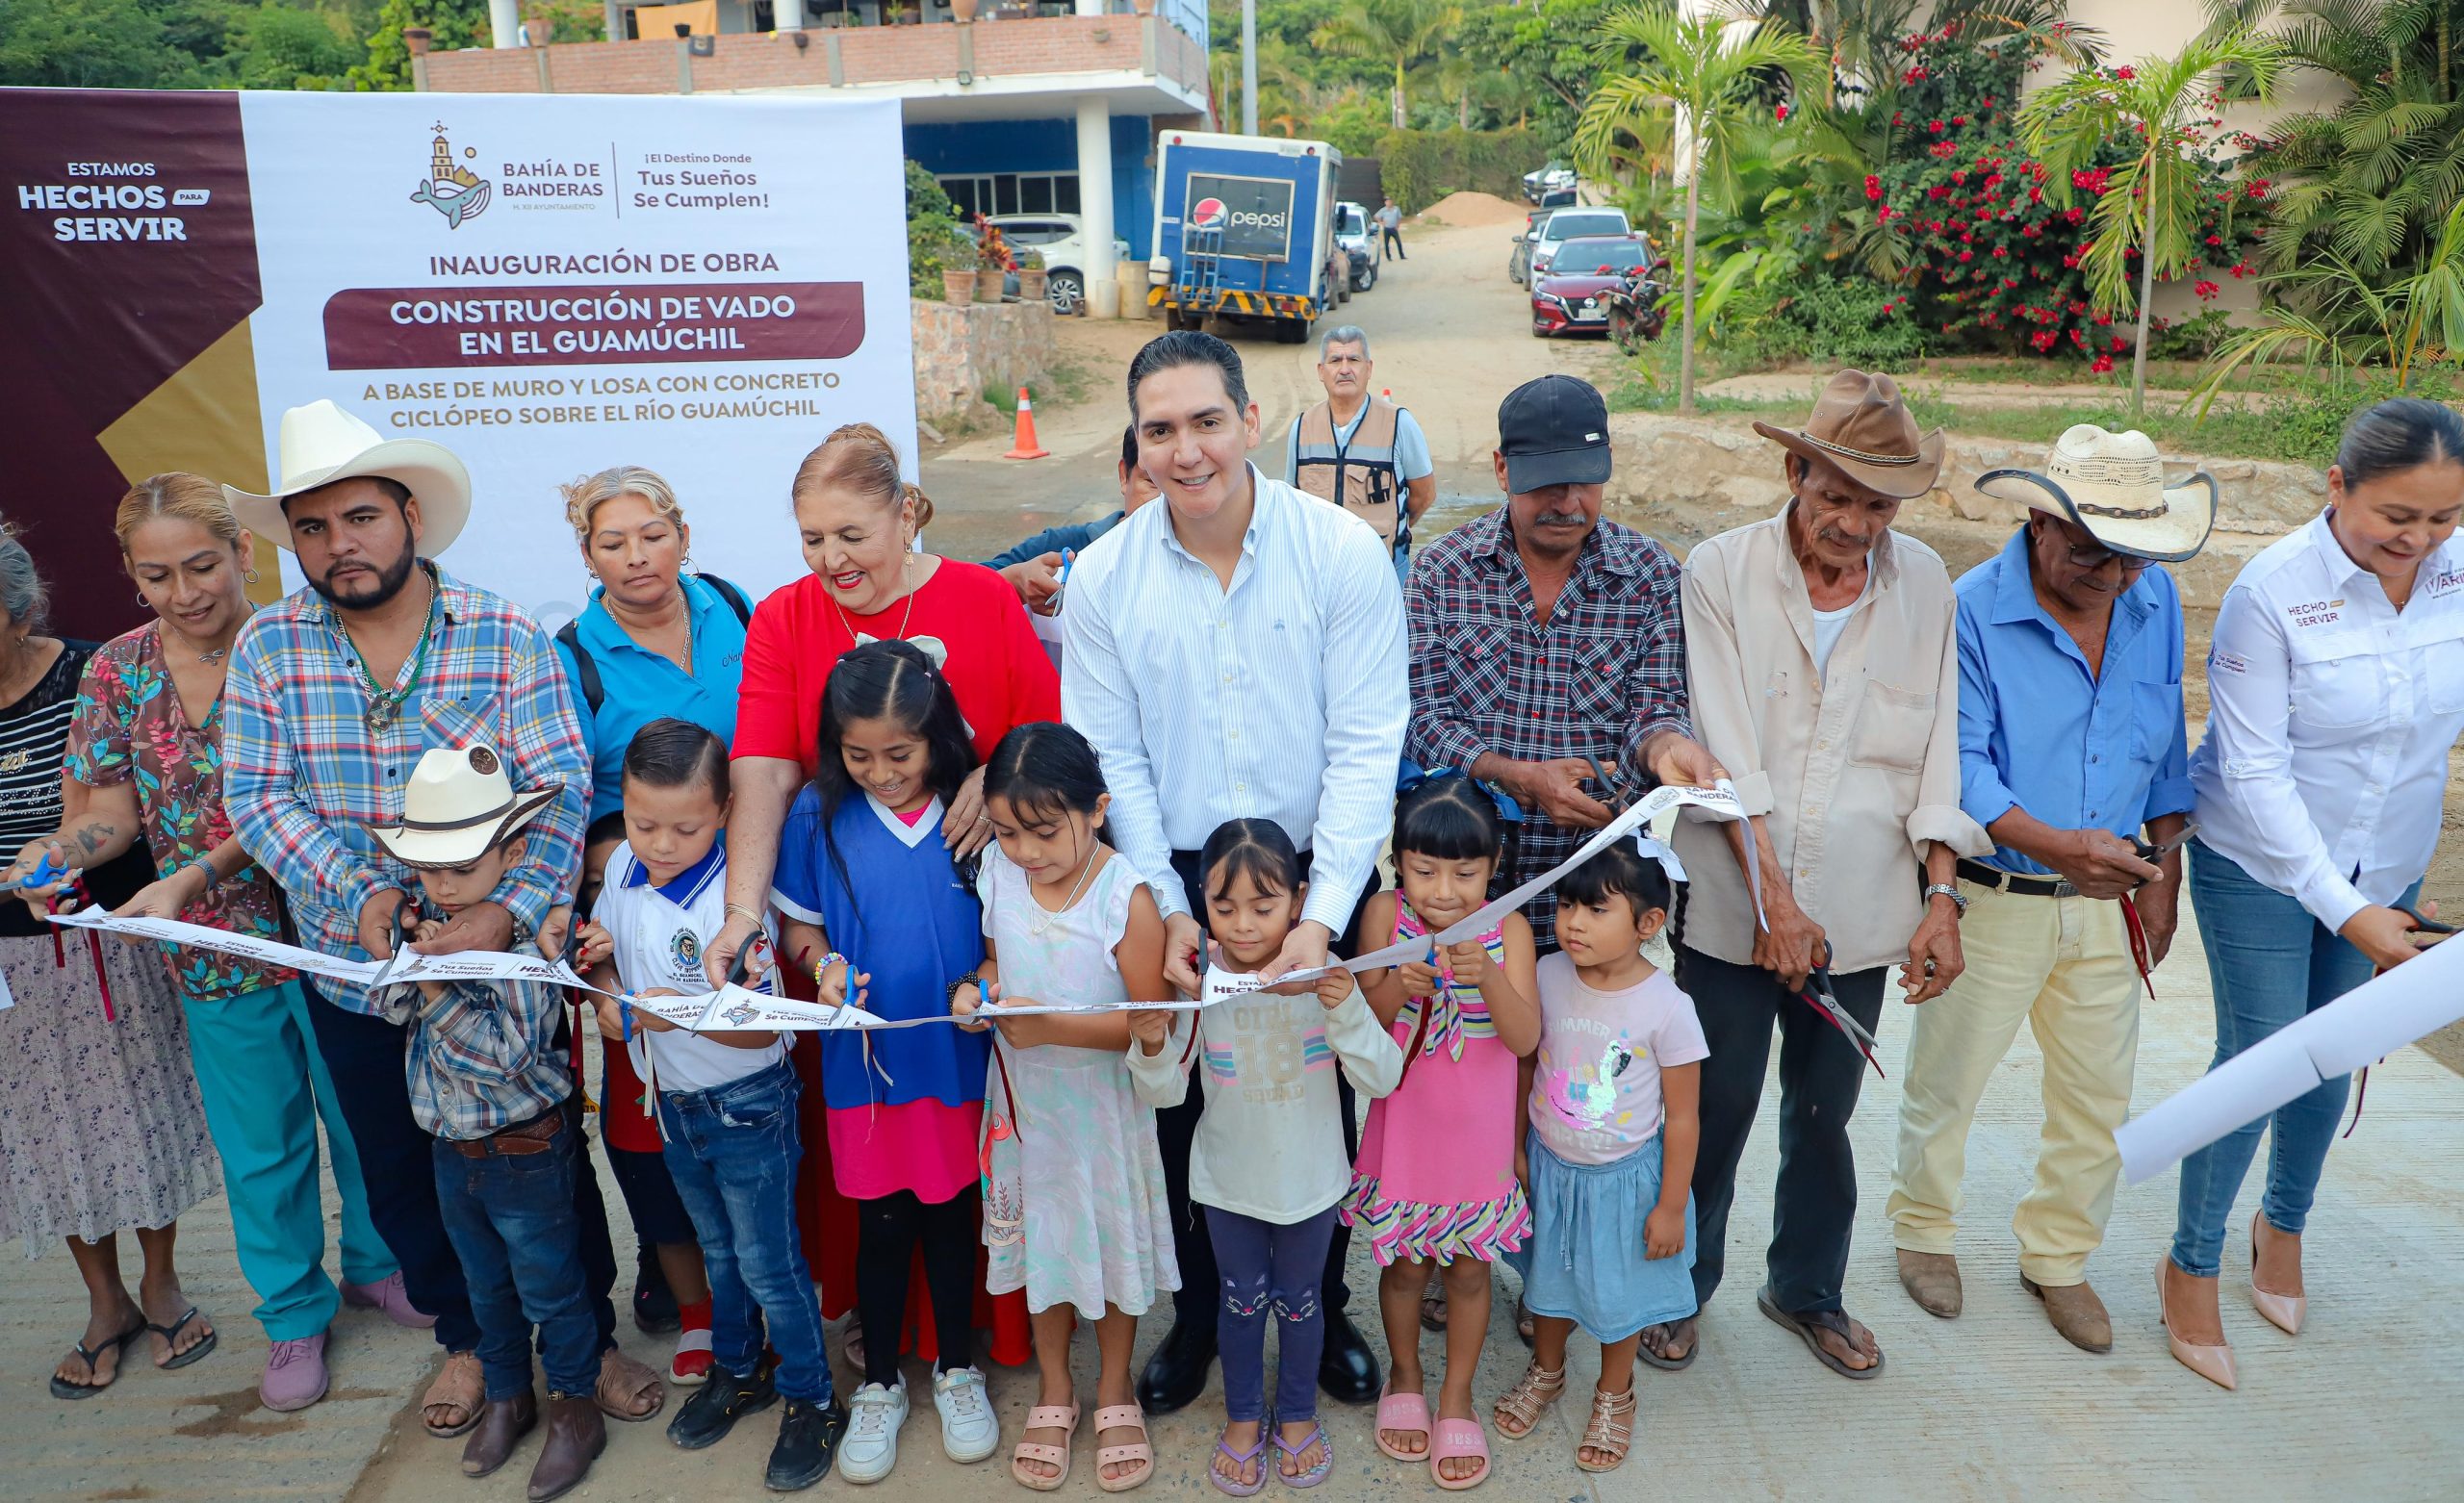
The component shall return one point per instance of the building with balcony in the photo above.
(1041, 107)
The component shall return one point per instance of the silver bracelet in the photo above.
(1946, 890)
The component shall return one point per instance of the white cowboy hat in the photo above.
(458, 808)
(2112, 484)
(321, 443)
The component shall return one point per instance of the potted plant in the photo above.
(993, 264)
(958, 270)
(1031, 286)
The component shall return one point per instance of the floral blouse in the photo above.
(129, 724)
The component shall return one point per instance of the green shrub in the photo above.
(1418, 167)
(933, 234)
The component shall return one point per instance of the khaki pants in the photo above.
(2064, 964)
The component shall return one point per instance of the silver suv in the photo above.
(1357, 234)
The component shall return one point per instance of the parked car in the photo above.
(1553, 177)
(1061, 237)
(1574, 294)
(1357, 234)
(1518, 263)
(1565, 225)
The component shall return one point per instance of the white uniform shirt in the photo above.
(659, 933)
(2330, 717)
(1281, 697)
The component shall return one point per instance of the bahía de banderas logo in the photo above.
(451, 188)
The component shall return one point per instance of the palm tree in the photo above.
(2149, 205)
(1706, 72)
(1403, 31)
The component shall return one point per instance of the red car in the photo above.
(1567, 296)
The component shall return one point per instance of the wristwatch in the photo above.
(1946, 890)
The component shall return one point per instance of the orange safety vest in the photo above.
(1361, 473)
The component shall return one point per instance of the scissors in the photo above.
(43, 875)
(2152, 852)
(1068, 556)
(1619, 795)
(2425, 925)
(1819, 996)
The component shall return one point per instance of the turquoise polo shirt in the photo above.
(641, 686)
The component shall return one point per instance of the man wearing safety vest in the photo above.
(1362, 451)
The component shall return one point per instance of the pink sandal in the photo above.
(1063, 1417)
(1123, 1416)
(1451, 1440)
(1406, 1411)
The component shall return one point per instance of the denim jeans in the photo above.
(512, 1223)
(733, 1151)
(1403, 562)
(2269, 964)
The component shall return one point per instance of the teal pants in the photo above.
(265, 1086)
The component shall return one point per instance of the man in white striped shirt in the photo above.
(1235, 653)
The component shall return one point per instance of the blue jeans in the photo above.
(512, 1223)
(1265, 1268)
(733, 1151)
(2271, 964)
(1403, 563)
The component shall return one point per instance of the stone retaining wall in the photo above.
(959, 351)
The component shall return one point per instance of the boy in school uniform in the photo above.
(487, 1080)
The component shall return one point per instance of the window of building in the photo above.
(1013, 192)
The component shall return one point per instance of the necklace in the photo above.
(685, 603)
(1043, 921)
(860, 637)
(383, 705)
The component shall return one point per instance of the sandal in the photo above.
(1451, 1440)
(1063, 1417)
(1233, 1486)
(1407, 1412)
(170, 1334)
(1693, 1345)
(1316, 1472)
(1123, 1416)
(1611, 1429)
(1807, 1326)
(1433, 1303)
(462, 1387)
(63, 1389)
(621, 1384)
(1518, 1414)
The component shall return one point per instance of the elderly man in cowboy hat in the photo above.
(1823, 672)
(2072, 746)
(335, 691)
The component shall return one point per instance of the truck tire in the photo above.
(1291, 331)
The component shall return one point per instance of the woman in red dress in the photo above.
(859, 524)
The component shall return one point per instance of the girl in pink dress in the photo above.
(1435, 1182)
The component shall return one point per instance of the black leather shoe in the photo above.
(717, 1404)
(1176, 1374)
(655, 1309)
(1346, 1372)
(808, 1441)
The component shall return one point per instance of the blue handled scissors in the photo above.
(43, 875)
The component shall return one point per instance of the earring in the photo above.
(686, 564)
(141, 599)
(250, 576)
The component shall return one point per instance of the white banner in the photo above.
(552, 285)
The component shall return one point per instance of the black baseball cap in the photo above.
(1553, 431)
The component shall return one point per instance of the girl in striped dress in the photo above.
(1435, 1183)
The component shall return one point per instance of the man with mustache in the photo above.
(1362, 452)
(334, 693)
(2071, 743)
(1824, 671)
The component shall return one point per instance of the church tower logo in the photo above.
(451, 188)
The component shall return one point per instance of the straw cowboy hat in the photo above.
(1863, 425)
(2112, 484)
(321, 443)
(459, 806)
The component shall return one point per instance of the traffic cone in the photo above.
(1026, 446)
(1386, 392)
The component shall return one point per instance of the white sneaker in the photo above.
(870, 1449)
(971, 1430)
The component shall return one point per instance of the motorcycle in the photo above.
(1635, 316)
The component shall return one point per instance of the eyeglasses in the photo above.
(2092, 559)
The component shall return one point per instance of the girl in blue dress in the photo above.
(863, 874)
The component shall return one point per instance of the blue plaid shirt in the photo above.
(482, 1054)
(306, 782)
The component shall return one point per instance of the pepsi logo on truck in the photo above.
(1254, 213)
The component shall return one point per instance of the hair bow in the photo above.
(1658, 850)
(1413, 774)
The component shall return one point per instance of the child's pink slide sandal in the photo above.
(1407, 1412)
(1454, 1438)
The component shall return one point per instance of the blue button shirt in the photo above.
(2039, 732)
(641, 686)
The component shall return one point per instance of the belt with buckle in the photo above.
(2000, 881)
(534, 1136)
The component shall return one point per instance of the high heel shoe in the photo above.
(2284, 1311)
(2215, 1363)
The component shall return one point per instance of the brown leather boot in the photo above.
(2076, 1312)
(1932, 1281)
(502, 1423)
(576, 1433)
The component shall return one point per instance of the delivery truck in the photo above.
(1244, 231)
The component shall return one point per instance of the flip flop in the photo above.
(1644, 1350)
(63, 1389)
(1315, 1473)
(170, 1335)
(1451, 1440)
(1807, 1327)
(1255, 1453)
(1406, 1411)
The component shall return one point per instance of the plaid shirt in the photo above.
(1606, 674)
(482, 1054)
(306, 782)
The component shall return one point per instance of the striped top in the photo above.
(34, 745)
(1282, 697)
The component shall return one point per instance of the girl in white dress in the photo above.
(1073, 1195)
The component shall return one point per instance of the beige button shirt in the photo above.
(1855, 770)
